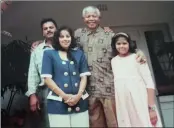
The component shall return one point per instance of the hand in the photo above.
(74, 100)
(153, 117)
(140, 57)
(67, 97)
(35, 44)
(107, 29)
(34, 103)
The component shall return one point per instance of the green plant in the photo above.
(14, 66)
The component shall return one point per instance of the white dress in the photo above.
(131, 80)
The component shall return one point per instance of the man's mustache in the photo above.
(49, 32)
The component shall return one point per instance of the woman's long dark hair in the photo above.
(56, 44)
(132, 47)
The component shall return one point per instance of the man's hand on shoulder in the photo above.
(107, 29)
(35, 44)
(140, 56)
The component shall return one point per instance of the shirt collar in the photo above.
(99, 29)
(46, 46)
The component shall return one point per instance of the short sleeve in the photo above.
(146, 75)
(78, 36)
(76, 33)
(112, 64)
(47, 65)
(112, 34)
(84, 66)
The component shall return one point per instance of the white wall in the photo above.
(23, 18)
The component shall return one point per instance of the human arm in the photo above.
(75, 98)
(35, 44)
(78, 35)
(107, 29)
(140, 56)
(84, 72)
(47, 72)
(33, 82)
(147, 77)
(54, 87)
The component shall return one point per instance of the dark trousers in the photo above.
(42, 93)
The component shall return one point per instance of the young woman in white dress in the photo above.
(134, 86)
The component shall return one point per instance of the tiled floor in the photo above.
(167, 107)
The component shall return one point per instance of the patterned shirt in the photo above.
(97, 48)
(34, 74)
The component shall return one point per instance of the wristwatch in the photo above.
(152, 107)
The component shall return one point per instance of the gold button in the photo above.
(65, 85)
(77, 109)
(76, 84)
(65, 73)
(63, 62)
(69, 109)
(74, 73)
(72, 62)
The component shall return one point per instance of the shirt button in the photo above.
(65, 73)
(104, 50)
(90, 68)
(99, 60)
(77, 109)
(65, 85)
(74, 73)
(76, 84)
(63, 62)
(72, 62)
(101, 80)
(69, 109)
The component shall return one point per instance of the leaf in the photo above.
(15, 63)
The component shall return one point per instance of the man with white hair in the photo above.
(96, 44)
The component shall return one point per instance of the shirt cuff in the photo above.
(28, 93)
(150, 87)
(46, 75)
(85, 74)
(42, 82)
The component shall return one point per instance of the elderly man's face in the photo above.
(92, 20)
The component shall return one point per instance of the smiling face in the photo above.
(122, 46)
(91, 19)
(48, 29)
(65, 39)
